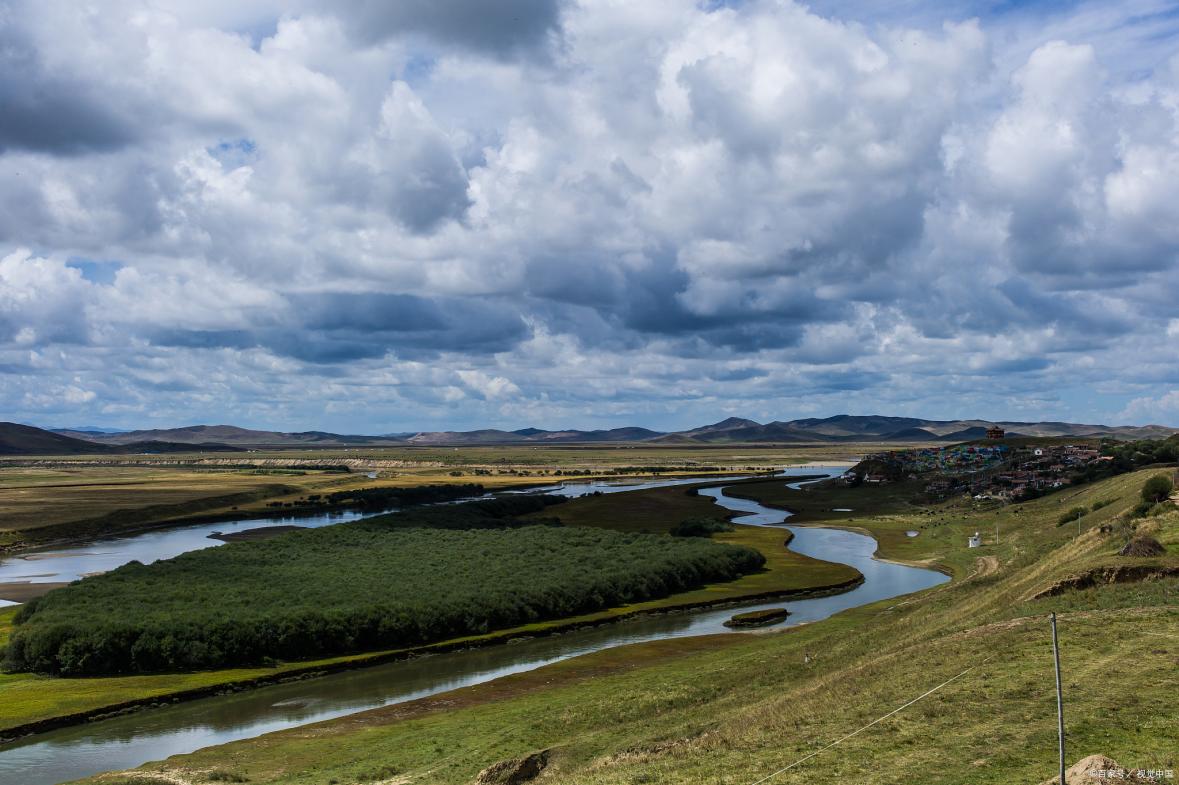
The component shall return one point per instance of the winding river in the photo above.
(133, 739)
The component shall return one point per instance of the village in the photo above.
(985, 471)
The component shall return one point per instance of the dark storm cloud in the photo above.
(46, 112)
(844, 381)
(497, 27)
(434, 192)
(1074, 312)
(203, 339)
(649, 301)
(422, 324)
(343, 327)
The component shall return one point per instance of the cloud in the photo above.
(1163, 409)
(42, 301)
(497, 27)
(48, 109)
(426, 182)
(391, 216)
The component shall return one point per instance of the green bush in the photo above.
(1075, 514)
(387, 582)
(1157, 489)
(1142, 509)
(701, 527)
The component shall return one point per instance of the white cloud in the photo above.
(1163, 410)
(652, 208)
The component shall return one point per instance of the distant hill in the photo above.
(233, 436)
(17, 439)
(874, 428)
(733, 430)
(531, 435)
(87, 429)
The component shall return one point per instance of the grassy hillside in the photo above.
(736, 709)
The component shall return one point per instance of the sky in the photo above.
(375, 217)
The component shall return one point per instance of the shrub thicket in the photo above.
(700, 527)
(1128, 457)
(387, 582)
(385, 498)
(1156, 489)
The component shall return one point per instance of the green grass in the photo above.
(730, 710)
(6, 615)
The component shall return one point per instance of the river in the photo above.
(134, 739)
(65, 564)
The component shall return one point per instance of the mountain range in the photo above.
(26, 440)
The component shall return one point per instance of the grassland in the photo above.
(27, 699)
(35, 498)
(732, 710)
(79, 498)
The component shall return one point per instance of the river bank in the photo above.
(675, 620)
(36, 570)
(677, 713)
(313, 669)
(256, 505)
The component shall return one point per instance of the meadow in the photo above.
(734, 709)
(391, 581)
(71, 499)
(36, 498)
(32, 700)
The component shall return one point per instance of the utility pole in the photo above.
(1059, 696)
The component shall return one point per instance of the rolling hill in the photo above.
(734, 430)
(17, 439)
(231, 436)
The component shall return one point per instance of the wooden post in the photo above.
(1059, 697)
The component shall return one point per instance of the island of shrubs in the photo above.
(423, 575)
(386, 498)
(700, 527)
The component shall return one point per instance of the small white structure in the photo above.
(372, 475)
(1039, 452)
(975, 541)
